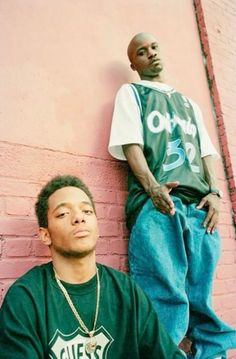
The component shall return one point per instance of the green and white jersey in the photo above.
(36, 321)
(173, 139)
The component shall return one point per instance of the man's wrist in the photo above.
(216, 191)
(152, 189)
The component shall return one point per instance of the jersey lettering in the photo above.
(191, 152)
(174, 149)
(157, 123)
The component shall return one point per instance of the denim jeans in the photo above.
(173, 259)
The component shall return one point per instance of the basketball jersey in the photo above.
(171, 147)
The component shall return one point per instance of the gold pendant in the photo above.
(90, 345)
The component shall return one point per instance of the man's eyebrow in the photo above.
(62, 204)
(140, 48)
(144, 47)
(67, 204)
(87, 203)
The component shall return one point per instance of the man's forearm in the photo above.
(139, 167)
(208, 164)
(158, 193)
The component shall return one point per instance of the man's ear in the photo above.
(133, 67)
(44, 236)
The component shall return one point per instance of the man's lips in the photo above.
(81, 232)
(155, 61)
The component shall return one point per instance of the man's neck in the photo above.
(75, 270)
(152, 79)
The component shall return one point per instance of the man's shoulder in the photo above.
(126, 87)
(111, 271)
(30, 280)
(121, 278)
(115, 274)
(35, 271)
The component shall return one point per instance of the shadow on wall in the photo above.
(112, 78)
(117, 73)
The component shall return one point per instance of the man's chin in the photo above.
(157, 70)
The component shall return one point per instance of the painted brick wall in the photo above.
(217, 26)
(59, 78)
(217, 31)
(19, 185)
(58, 84)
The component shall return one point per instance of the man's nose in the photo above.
(78, 216)
(152, 53)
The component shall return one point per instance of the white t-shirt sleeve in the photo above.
(207, 147)
(126, 127)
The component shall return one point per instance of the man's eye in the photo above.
(155, 47)
(141, 53)
(88, 211)
(61, 215)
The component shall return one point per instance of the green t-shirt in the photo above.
(171, 147)
(36, 321)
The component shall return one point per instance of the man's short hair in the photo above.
(58, 182)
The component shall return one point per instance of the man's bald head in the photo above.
(144, 55)
(136, 41)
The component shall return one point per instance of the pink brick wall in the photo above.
(59, 80)
(217, 26)
(217, 35)
(19, 246)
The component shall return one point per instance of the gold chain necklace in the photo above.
(91, 342)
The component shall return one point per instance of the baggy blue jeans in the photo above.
(173, 259)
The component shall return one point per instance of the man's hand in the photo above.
(211, 201)
(159, 193)
(161, 198)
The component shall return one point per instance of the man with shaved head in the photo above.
(151, 73)
(173, 202)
